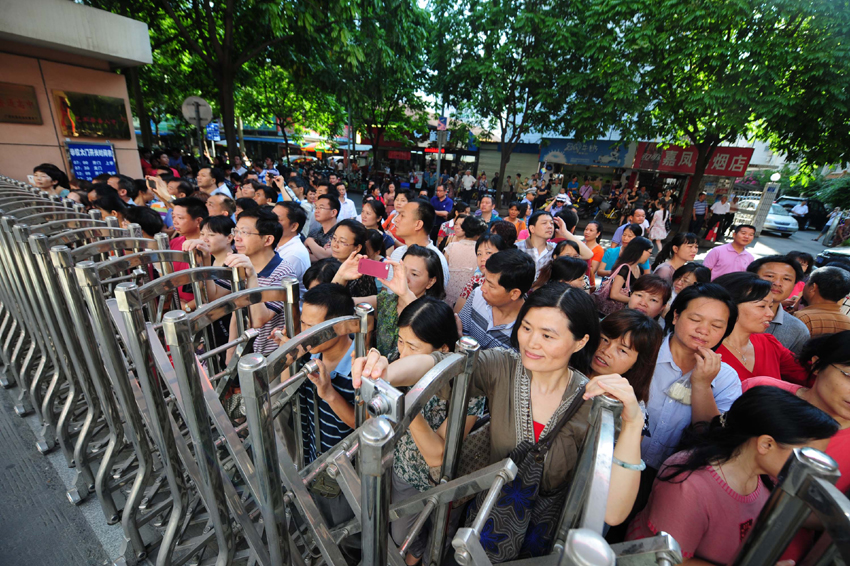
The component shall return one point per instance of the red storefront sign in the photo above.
(724, 162)
(435, 150)
(403, 155)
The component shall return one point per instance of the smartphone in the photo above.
(374, 268)
(152, 184)
(31, 179)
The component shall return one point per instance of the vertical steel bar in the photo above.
(454, 436)
(178, 336)
(253, 380)
(375, 483)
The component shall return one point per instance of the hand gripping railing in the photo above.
(266, 395)
(806, 485)
(578, 539)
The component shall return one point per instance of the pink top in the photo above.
(772, 358)
(707, 518)
(838, 449)
(724, 259)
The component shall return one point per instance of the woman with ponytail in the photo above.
(709, 495)
(681, 249)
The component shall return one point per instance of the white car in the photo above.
(778, 220)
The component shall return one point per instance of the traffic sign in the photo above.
(442, 123)
(213, 132)
(196, 107)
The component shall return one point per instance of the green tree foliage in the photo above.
(272, 96)
(520, 65)
(382, 85)
(706, 72)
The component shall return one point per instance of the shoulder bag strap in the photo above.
(545, 443)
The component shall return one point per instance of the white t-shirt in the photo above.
(801, 209)
(468, 182)
(297, 255)
(347, 209)
(720, 208)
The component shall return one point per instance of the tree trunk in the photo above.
(285, 143)
(228, 111)
(704, 153)
(507, 149)
(141, 112)
(241, 137)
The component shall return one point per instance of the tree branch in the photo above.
(184, 34)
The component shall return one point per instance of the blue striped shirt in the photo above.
(333, 430)
(700, 207)
(477, 319)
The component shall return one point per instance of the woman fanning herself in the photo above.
(749, 350)
(708, 496)
(681, 249)
(555, 334)
(425, 326)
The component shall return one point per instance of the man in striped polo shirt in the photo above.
(256, 236)
(698, 214)
(490, 313)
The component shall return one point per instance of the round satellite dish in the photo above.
(194, 106)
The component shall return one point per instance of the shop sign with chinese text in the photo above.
(724, 162)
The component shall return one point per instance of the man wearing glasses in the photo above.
(256, 236)
(327, 211)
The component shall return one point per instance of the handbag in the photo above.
(522, 523)
(474, 452)
(602, 296)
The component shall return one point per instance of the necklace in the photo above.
(743, 357)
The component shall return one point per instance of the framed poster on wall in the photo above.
(91, 116)
(88, 160)
(19, 104)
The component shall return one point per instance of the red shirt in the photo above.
(177, 245)
(538, 429)
(838, 449)
(772, 359)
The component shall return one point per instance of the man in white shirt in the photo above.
(347, 209)
(238, 166)
(211, 181)
(800, 212)
(468, 181)
(413, 225)
(292, 217)
(718, 210)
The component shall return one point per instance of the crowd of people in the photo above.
(722, 367)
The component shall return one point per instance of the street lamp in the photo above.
(775, 177)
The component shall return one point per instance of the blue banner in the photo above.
(571, 152)
(90, 160)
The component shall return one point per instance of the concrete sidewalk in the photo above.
(41, 527)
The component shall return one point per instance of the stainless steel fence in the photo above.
(196, 447)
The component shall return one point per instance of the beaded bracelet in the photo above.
(636, 467)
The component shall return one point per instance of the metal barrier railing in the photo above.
(132, 392)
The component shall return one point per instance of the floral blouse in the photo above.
(387, 325)
(475, 282)
(408, 463)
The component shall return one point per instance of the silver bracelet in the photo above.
(636, 467)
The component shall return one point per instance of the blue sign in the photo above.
(90, 160)
(213, 132)
(571, 152)
(442, 123)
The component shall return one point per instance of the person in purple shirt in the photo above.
(442, 207)
(733, 256)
